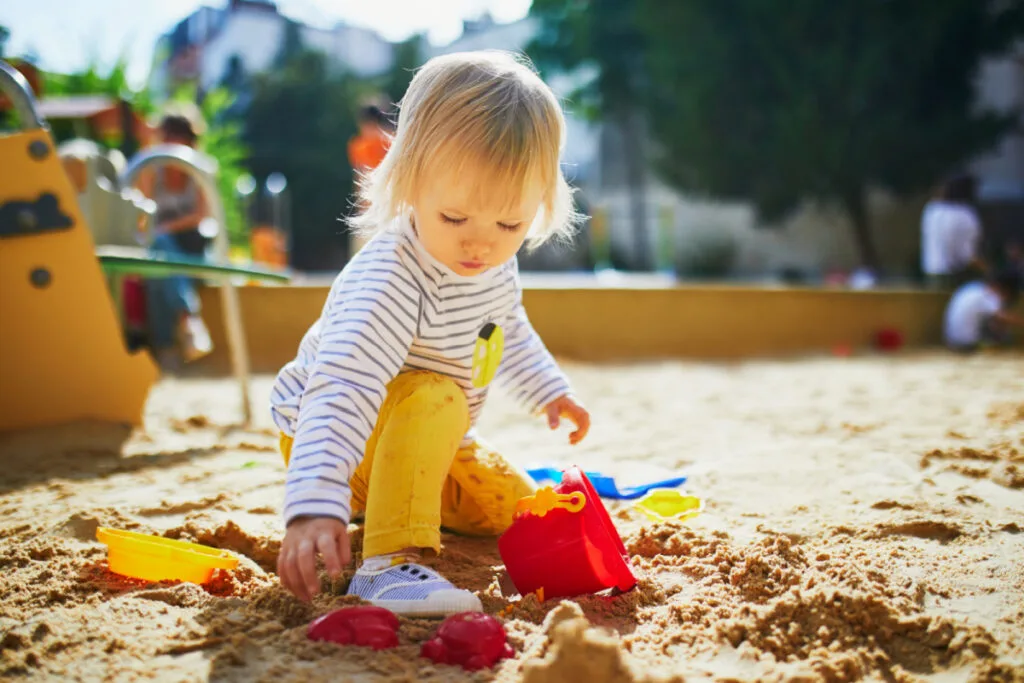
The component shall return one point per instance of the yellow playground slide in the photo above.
(62, 353)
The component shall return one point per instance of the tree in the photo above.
(298, 123)
(292, 44)
(575, 34)
(223, 142)
(5, 35)
(234, 74)
(777, 103)
(408, 57)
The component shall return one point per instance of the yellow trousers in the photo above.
(415, 478)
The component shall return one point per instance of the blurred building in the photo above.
(212, 44)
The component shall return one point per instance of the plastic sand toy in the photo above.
(154, 558)
(563, 542)
(665, 504)
(363, 625)
(606, 486)
(471, 640)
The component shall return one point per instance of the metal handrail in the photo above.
(16, 87)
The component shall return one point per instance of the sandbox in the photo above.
(862, 523)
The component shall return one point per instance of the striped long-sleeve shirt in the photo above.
(394, 308)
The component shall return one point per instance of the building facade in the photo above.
(204, 48)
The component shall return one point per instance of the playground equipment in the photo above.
(203, 171)
(62, 352)
(62, 355)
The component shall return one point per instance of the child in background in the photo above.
(977, 314)
(376, 411)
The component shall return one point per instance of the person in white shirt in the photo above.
(376, 412)
(951, 235)
(977, 313)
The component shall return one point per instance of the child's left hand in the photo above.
(566, 406)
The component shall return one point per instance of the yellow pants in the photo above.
(415, 478)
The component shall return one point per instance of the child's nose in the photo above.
(477, 246)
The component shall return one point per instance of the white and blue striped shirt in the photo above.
(394, 308)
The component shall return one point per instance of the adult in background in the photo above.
(951, 235)
(176, 327)
(365, 151)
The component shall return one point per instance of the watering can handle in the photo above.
(16, 87)
(546, 500)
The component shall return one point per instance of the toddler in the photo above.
(376, 411)
(978, 314)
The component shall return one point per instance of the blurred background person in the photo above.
(176, 328)
(951, 235)
(365, 151)
(978, 315)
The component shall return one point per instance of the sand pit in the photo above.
(863, 523)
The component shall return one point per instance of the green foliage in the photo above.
(576, 34)
(291, 44)
(5, 35)
(408, 58)
(93, 81)
(777, 103)
(223, 141)
(298, 123)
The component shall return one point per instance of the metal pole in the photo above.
(16, 87)
(203, 170)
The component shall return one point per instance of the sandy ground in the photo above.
(864, 522)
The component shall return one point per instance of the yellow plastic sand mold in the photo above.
(663, 504)
(153, 558)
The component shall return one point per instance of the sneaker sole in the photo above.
(439, 604)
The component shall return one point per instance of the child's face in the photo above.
(469, 233)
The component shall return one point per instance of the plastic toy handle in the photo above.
(546, 500)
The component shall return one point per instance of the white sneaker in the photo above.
(412, 590)
(195, 338)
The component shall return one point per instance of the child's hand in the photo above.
(567, 406)
(296, 564)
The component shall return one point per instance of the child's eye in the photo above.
(511, 227)
(454, 221)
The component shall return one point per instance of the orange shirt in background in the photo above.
(367, 150)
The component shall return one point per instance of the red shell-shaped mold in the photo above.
(471, 640)
(362, 625)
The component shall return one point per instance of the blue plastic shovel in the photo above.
(606, 486)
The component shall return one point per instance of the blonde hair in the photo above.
(484, 113)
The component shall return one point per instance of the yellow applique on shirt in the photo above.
(490, 346)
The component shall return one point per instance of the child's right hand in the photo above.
(296, 563)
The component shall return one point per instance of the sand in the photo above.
(863, 522)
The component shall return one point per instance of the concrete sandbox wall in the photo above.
(607, 324)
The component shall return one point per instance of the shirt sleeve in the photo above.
(365, 337)
(527, 368)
